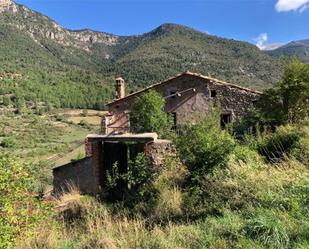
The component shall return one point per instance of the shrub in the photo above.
(40, 110)
(169, 184)
(135, 187)
(20, 211)
(147, 114)
(286, 141)
(83, 123)
(59, 118)
(9, 142)
(84, 113)
(245, 154)
(204, 146)
(7, 100)
(287, 100)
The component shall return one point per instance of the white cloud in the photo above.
(289, 5)
(261, 42)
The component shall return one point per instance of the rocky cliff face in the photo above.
(40, 27)
(7, 5)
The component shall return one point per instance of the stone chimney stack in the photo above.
(120, 88)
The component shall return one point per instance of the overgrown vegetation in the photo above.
(286, 102)
(245, 202)
(20, 210)
(147, 114)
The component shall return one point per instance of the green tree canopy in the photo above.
(287, 101)
(147, 114)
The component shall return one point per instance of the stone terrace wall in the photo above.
(80, 174)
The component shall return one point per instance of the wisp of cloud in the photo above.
(289, 5)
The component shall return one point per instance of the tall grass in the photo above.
(248, 203)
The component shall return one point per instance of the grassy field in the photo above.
(47, 140)
(75, 116)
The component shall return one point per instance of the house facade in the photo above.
(187, 97)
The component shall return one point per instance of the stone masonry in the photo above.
(188, 96)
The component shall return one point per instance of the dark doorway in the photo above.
(225, 119)
(119, 154)
(114, 153)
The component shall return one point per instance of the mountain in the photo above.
(297, 49)
(171, 49)
(75, 68)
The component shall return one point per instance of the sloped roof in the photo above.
(216, 81)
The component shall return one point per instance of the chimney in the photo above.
(120, 88)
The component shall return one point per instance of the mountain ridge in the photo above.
(41, 45)
(294, 49)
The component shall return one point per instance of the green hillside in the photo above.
(76, 68)
(298, 49)
(171, 49)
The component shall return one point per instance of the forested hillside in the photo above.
(298, 49)
(76, 68)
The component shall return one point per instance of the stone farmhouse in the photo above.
(187, 96)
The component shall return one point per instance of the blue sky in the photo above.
(263, 22)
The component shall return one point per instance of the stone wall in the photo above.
(88, 174)
(157, 151)
(80, 174)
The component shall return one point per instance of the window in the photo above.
(172, 93)
(213, 93)
(225, 119)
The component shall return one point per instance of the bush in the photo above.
(83, 123)
(286, 101)
(245, 154)
(204, 146)
(135, 187)
(286, 141)
(20, 211)
(9, 142)
(84, 113)
(147, 114)
(169, 184)
(59, 118)
(7, 100)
